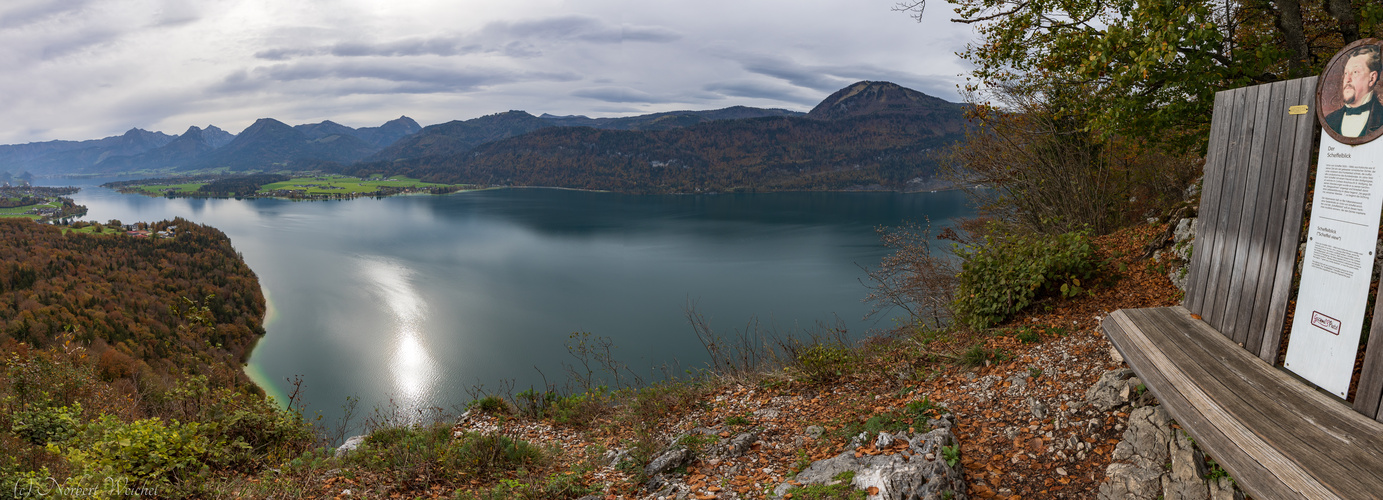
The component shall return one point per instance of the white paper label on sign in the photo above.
(1338, 264)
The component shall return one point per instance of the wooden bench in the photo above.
(1212, 361)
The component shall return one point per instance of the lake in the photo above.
(409, 302)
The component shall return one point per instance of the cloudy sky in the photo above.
(84, 69)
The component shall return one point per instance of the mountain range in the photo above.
(869, 135)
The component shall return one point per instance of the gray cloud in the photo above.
(758, 90)
(618, 94)
(512, 39)
(378, 77)
(791, 72)
(582, 28)
(24, 14)
(440, 46)
(78, 42)
(173, 13)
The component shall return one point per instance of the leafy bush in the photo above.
(483, 453)
(149, 451)
(256, 432)
(572, 409)
(47, 424)
(1006, 273)
(424, 453)
(490, 404)
(822, 363)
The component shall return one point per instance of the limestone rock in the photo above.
(669, 460)
(1110, 391)
(923, 475)
(350, 445)
(1146, 441)
(1223, 489)
(735, 446)
(1130, 482)
(1185, 481)
(815, 431)
(1038, 408)
(1185, 231)
(613, 458)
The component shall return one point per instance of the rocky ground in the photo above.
(1043, 417)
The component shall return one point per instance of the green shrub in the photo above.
(430, 452)
(1004, 274)
(480, 454)
(257, 432)
(824, 362)
(490, 404)
(47, 424)
(149, 451)
(572, 409)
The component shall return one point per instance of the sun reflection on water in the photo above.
(412, 369)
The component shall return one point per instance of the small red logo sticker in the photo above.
(1324, 322)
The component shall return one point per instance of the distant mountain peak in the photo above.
(866, 97)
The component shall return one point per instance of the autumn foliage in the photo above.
(152, 307)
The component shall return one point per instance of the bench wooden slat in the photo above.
(1248, 250)
(1343, 449)
(1362, 430)
(1262, 472)
(1284, 215)
(1227, 227)
(1302, 142)
(1210, 188)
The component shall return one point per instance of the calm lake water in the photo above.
(409, 301)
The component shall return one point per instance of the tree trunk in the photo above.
(1289, 22)
(1342, 11)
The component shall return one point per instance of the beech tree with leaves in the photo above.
(1155, 65)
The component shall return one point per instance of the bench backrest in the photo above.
(1252, 203)
(1252, 200)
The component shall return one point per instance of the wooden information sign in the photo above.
(1342, 237)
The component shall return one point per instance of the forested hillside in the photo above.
(873, 151)
(155, 308)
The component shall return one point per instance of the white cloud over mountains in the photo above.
(82, 69)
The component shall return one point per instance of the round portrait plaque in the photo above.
(1348, 101)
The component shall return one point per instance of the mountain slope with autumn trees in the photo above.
(150, 308)
(871, 135)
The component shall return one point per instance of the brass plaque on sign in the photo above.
(1299, 109)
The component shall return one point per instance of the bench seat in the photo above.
(1278, 436)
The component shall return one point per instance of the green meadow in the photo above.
(162, 189)
(337, 184)
(107, 230)
(19, 211)
(306, 185)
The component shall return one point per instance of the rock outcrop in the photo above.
(1153, 460)
(895, 466)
